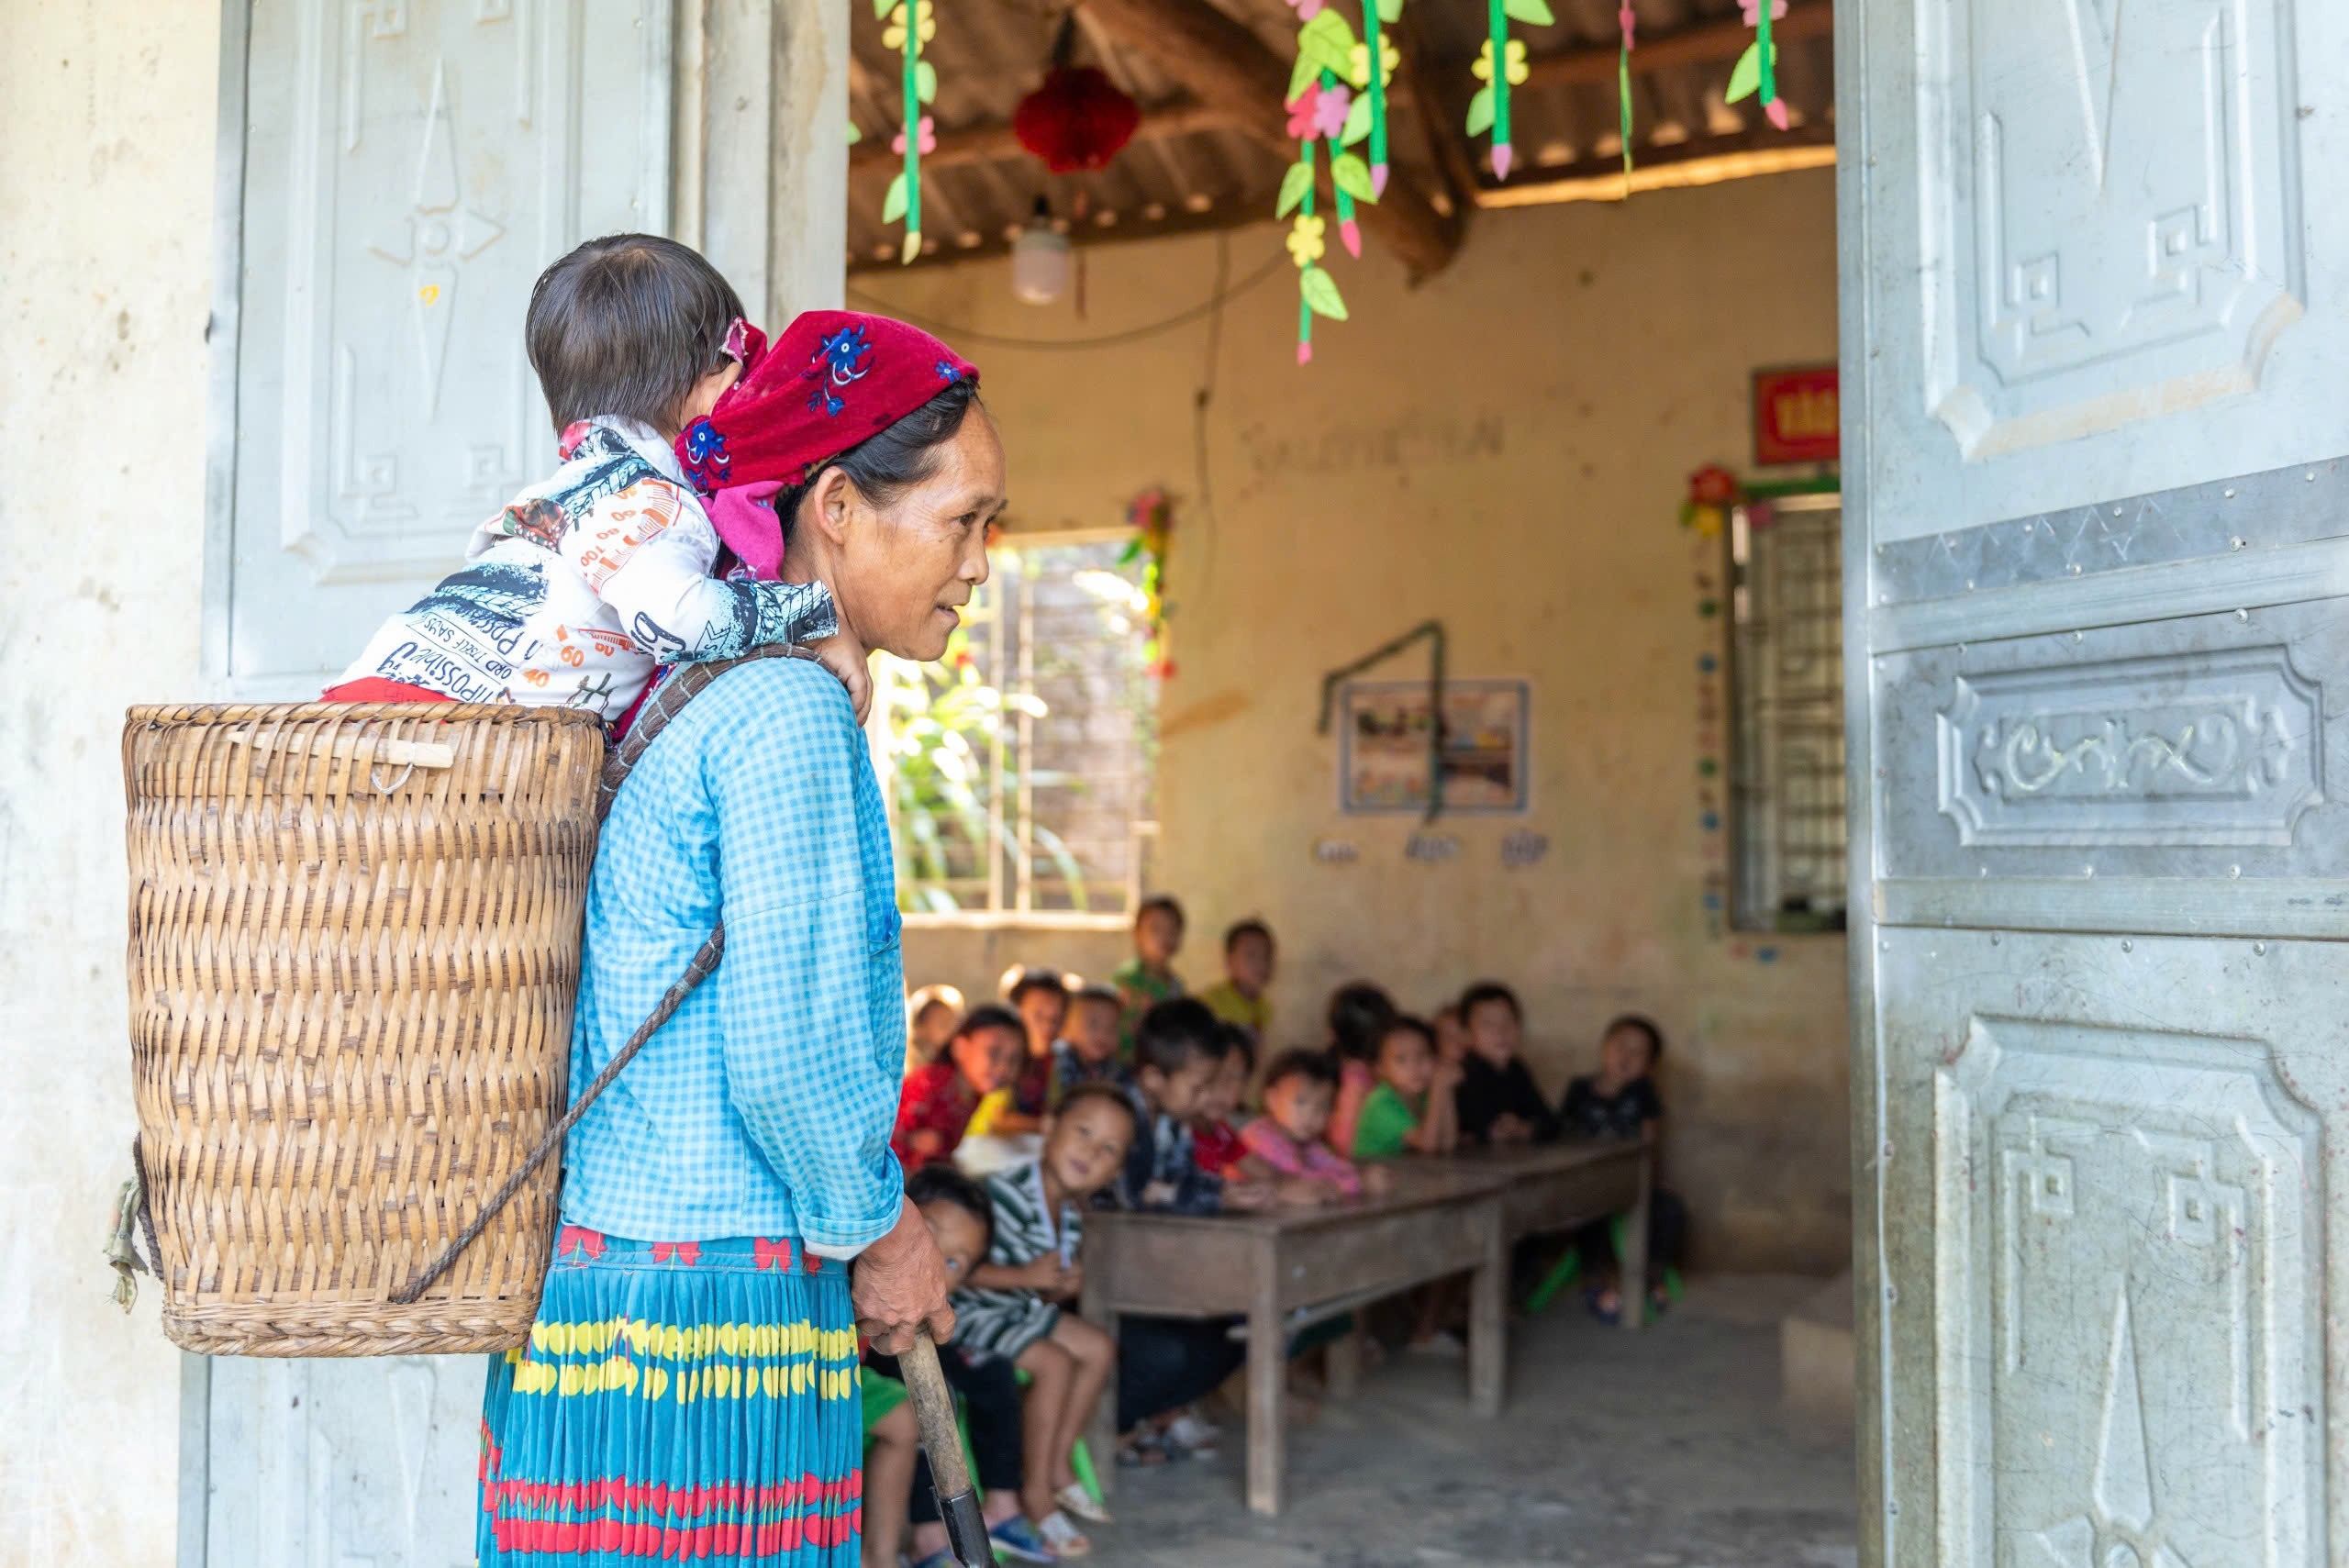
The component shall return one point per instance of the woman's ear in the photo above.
(830, 500)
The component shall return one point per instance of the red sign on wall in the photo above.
(1798, 416)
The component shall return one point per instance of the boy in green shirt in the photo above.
(1410, 1111)
(1148, 978)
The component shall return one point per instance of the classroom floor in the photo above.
(1664, 1450)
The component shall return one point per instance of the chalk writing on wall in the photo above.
(1416, 440)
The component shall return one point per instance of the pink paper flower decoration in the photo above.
(1301, 112)
(1776, 111)
(928, 138)
(1307, 9)
(1628, 20)
(1752, 9)
(1329, 111)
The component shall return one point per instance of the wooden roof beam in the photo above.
(992, 144)
(1226, 67)
(1700, 44)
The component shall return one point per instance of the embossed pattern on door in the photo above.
(2096, 551)
(410, 166)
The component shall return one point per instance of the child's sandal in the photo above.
(1062, 1535)
(1016, 1539)
(1075, 1499)
(1142, 1453)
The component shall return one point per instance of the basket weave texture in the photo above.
(350, 994)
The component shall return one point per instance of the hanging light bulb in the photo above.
(1040, 260)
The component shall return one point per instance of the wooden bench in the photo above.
(1444, 1216)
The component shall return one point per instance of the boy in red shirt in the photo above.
(935, 1106)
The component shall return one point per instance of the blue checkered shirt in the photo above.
(764, 1106)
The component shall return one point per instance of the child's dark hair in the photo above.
(1106, 995)
(1242, 930)
(1646, 1025)
(624, 326)
(990, 1016)
(1406, 1023)
(941, 1183)
(1486, 991)
(1358, 1017)
(1174, 1033)
(1077, 1094)
(1033, 978)
(1238, 1042)
(1165, 901)
(1318, 1065)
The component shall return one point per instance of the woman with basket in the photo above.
(689, 1389)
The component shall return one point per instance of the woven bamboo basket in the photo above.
(354, 942)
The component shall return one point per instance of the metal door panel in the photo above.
(2105, 235)
(409, 169)
(2191, 747)
(2103, 1167)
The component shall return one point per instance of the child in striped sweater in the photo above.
(1013, 1307)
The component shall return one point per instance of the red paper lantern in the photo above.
(1079, 119)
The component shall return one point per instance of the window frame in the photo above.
(1006, 891)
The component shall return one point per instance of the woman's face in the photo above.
(904, 570)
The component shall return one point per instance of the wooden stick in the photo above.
(958, 1505)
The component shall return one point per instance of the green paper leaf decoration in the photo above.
(1390, 11)
(1320, 292)
(1351, 176)
(926, 81)
(912, 248)
(893, 206)
(1357, 121)
(1533, 13)
(1328, 42)
(1302, 75)
(1746, 79)
(1480, 111)
(1294, 185)
(854, 135)
(881, 9)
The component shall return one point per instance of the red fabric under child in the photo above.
(375, 688)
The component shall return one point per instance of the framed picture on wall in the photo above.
(1383, 747)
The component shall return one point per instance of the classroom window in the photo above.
(1786, 682)
(1019, 768)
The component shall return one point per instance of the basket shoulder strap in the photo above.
(688, 683)
(681, 688)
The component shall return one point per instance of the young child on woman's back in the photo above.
(935, 1103)
(573, 593)
(1410, 1111)
(1012, 1310)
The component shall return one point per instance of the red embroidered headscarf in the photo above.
(831, 380)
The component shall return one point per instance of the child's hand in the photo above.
(1377, 1180)
(1245, 1196)
(1301, 1191)
(1156, 1193)
(1447, 1076)
(843, 657)
(1509, 1128)
(1041, 1273)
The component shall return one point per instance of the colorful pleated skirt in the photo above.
(692, 1401)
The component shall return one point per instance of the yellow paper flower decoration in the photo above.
(1304, 242)
(1517, 68)
(1389, 57)
(893, 35)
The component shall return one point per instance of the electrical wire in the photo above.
(1213, 306)
(1201, 401)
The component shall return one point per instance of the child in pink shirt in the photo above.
(1299, 1089)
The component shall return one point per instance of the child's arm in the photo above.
(1439, 1130)
(655, 576)
(1041, 1273)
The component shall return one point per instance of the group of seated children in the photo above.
(1017, 1116)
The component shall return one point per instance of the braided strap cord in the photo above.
(664, 706)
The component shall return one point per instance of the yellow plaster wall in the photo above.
(106, 136)
(1503, 448)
